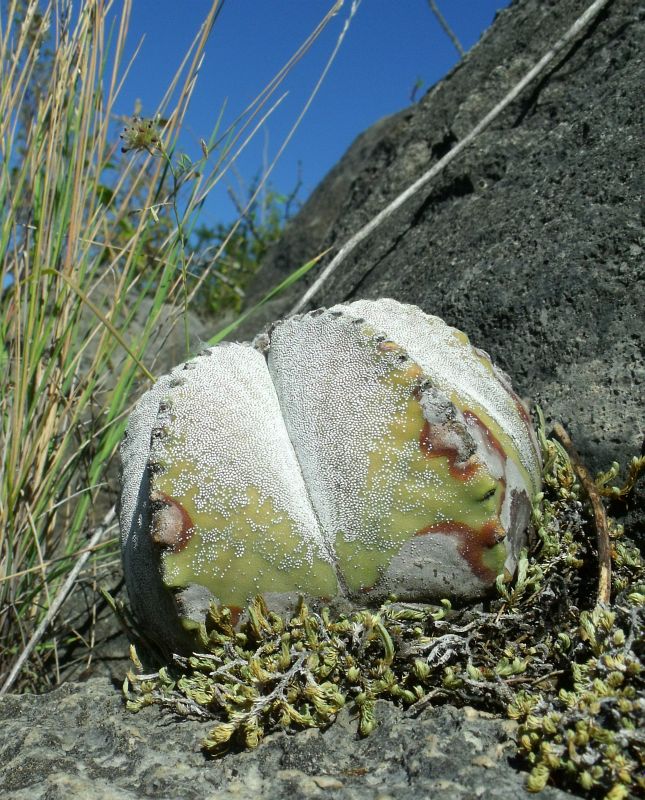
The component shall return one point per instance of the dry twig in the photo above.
(447, 29)
(600, 518)
(58, 602)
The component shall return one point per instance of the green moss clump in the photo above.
(586, 738)
(543, 652)
(298, 673)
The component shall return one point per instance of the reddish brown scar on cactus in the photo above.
(493, 444)
(236, 613)
(171, 524)
(473, 543)
(434, 445)
(491, 439)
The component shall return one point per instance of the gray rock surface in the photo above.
(78, 742)
(531, 241)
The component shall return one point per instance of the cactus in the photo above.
(346, 455)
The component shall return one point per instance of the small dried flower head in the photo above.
(141, 134)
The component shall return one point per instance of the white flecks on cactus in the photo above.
(354, 453)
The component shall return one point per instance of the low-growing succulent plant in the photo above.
(346, 455)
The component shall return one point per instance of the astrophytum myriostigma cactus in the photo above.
(346, 455)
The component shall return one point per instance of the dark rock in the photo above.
(78, 741)
(529, 241)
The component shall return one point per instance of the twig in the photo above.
(447, 29)
(54, 608)
(600, 518)
(583, 20)
(546, 677)
(416, 708)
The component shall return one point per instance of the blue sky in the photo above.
(390, 45)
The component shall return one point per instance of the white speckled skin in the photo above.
(353, 453)
(464, 371)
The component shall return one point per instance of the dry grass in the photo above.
(86, 236)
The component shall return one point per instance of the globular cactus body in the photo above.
(345, 455)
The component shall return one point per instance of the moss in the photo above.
(542, 652)
(586, 738)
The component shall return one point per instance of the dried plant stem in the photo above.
(583, 20)
(54, 608)
(447, 29)
(600, 518)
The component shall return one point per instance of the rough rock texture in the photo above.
(77, 742)
(529, 242)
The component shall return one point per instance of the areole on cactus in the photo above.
(344, 456)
